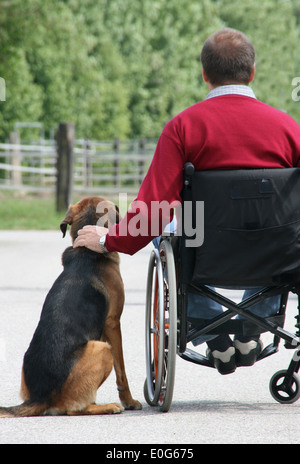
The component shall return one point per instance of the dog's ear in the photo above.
(68, 220)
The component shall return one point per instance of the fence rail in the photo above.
(98, 166)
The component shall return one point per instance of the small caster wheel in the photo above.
(285, 390)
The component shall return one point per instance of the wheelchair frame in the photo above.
(167, 329)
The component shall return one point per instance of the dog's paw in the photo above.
(133, 405)
(116, 408)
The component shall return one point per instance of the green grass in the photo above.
(28, 212)
(35, 212)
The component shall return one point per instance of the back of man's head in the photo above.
(228, 57)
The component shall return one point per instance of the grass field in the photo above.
(34, 212)
(30, 212)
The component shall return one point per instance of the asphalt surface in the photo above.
(207, 408)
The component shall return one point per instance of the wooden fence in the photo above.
(98, 167)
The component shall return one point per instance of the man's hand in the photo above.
(89, 237)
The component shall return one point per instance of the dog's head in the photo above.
(90, 211)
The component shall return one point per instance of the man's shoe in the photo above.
(224, 361)
(247, 353)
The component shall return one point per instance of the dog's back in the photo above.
(73, 313)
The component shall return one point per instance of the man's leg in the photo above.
(249, 347)
(220, 347)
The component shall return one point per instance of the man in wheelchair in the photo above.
(229, 130)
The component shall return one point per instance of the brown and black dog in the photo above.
(78, 338)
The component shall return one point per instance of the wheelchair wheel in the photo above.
(161, 328)
(283, 390)
(154, 329)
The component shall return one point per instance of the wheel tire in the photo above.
(281, 391)
(170, 328)
(161, 328)
(154, 330)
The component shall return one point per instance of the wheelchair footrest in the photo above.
(268, 351)
(196, 358)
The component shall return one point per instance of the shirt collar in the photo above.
(230, 90)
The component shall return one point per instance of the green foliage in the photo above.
(125, 67)
(271, 26)
(161, 42)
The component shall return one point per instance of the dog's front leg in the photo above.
(114, 337)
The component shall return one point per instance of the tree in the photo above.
(53, 74)
(104, 100)
(125, 67)
(23, 95)
(271, 26)
(161, 43)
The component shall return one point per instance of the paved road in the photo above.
(207, 408)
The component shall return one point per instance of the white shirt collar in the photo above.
(244, 90)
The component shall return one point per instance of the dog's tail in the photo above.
(26, 409)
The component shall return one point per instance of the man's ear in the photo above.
(204, 76)
(67, 221)
(252, 75)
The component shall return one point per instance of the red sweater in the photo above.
(225, 132)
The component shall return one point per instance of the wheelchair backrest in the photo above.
(251, 226)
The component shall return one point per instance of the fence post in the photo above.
(65, 161)
(116, 148)
(142, 150)
(14, 138)
(87, 164)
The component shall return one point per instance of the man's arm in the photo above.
(149, 213)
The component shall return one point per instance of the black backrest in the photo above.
(251, 226)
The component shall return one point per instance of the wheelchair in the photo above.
(251, 233)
